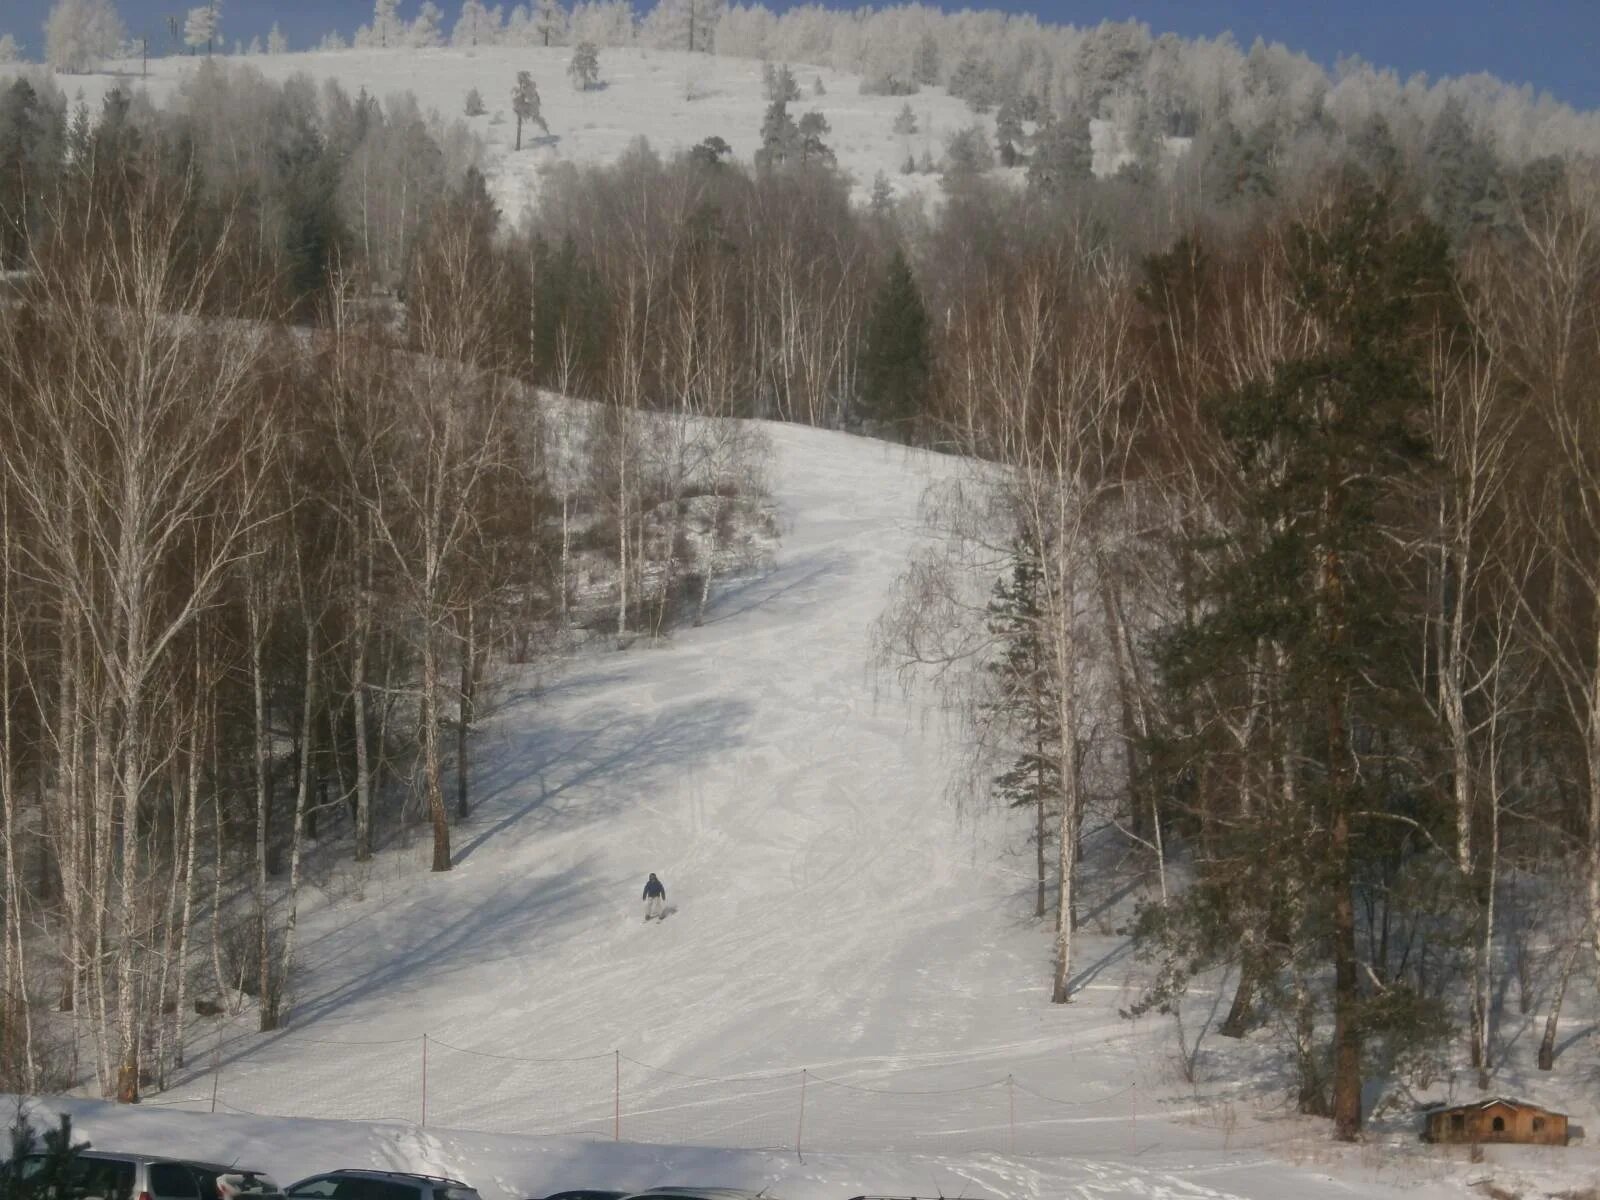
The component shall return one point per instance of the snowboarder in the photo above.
(655, 899)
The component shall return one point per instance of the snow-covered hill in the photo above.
(672, 98)
(849, 992)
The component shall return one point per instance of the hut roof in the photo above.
(1480, 1105)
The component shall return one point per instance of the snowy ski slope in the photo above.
(833, 917)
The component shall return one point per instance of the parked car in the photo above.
(380, 1185)
(586, 1194)
(700, 1193)
(108, 1175)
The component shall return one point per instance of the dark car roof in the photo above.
(131, 1156)
(369, 1173)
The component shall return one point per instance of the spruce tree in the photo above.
(1008, 133)
(1464, 184)
(1302, 590)
(1063, 157)
(1025, 704)
(896, 361)
(780, 137)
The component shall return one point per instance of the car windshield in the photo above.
(240, 1183)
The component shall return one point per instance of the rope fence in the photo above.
(613, 1096)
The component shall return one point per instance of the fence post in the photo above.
(1011, 1099)
(424, 1081)
(800, 1130)
(616, 1098)
(216, 1065)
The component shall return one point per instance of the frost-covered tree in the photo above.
(584, 69)
(974, 81)
(1110, 59)
(474, 27)
(603, 22)
(202, 27)
(387, 27)
(968, 152)
(905, 122)
(426, 30)
(475, 106)
(525, 104)
(779, 83)
(81, 33)
(550, 22)
(276, 42)
(10, 52)
(925, 63)
(882, 199)
(684, 24)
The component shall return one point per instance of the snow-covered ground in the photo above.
(847, 965)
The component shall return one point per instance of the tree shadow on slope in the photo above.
(801, 582)
(445, 940)
(589, 769)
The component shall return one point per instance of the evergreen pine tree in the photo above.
(1008, 132)
(1026, 704)
(810, 131)
(584, 69)
(896, 361)
(780, 137)
(526, 105)
(1325, 449)
(1463, 180)
(882, 194)
(1374, 148)
(1063, 156)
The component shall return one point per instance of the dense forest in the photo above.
(1276, 567)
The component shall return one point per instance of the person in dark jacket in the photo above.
(655, 898)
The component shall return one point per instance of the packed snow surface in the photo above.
(849, 992)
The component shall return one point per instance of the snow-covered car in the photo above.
(109, 1175)
(586, 1194)
(700, 1193)
(356, 1184)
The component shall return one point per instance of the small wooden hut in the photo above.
(1496, 1120)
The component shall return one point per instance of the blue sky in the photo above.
(1552, 44)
